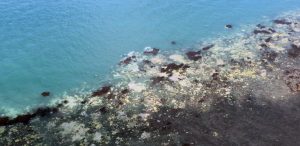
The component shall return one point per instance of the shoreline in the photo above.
(256, 75)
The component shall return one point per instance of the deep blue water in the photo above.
(63, 45)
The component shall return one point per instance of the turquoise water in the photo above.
(64, 45)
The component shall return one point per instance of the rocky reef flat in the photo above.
(244, 90)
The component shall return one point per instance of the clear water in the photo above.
(63, 45)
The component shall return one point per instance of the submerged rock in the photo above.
(172, 66)
(152, 51)
(156, 80)
(215, 76)
(292, 79)
(260, 26)
(208, 47)
(228, 26)
(45, 93)
(194, 55)
(103, 110)
(272, 30)
(263, 45)
(127, 60)
(281, 21)
(26, 118)
(294, 51)
(261, 31)
(269, 55)
(268, 39)
(101, 91)
(4, 121)
(42, 112)
(125, 91)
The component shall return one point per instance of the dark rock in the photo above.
(153, 51)
(4, 121)
(59, 105)
(84, 101)
(292, 79)
(228, 26)
(65, 101)
(127, 60)
(192, 55)
(260, 26)
(282, 21)
(156, 80)
(272, 30)
(201, 100)
(172, 66)
(26, 118)
(261, 31)
(147, 62)
(208, 47)
(45, 94)
(101, 91)
(45, 111)
(268, 39)
(294, 51)
(125, 91)
(215, 76)
(173, 42)
(103, 110)
(263, 45)
(269, 55)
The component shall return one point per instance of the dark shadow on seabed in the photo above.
(230, 123)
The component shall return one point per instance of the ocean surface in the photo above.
(67, 46)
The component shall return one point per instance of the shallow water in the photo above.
(243, 89)
(61, 46)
